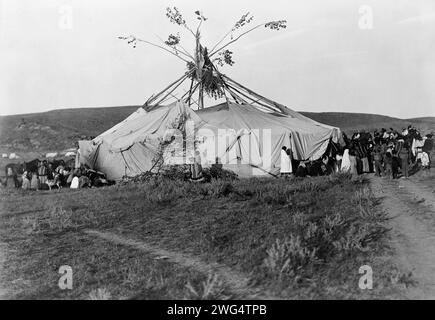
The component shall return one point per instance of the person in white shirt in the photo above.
(286, 163)
(345, 162)
(75, 183)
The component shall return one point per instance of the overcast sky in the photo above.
(62, 54)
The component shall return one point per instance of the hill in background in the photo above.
(61, 129)
(357, 121)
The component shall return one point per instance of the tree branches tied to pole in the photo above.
(201, 70)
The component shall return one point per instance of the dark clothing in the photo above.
(358, 165)
(395, 166)
(428, 145)
(405, 168)
(326, 169)
(361, 148)
(388, 160)
(313, 169)
(301, 171)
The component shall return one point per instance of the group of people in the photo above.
(44, 175)
(387, 153)
(320, 167)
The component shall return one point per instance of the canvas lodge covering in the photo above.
(243, 138)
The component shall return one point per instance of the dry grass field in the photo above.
(171, 239)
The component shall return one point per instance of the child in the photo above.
(26, 181)
(377, 157)
(301, 171)
(34, 182)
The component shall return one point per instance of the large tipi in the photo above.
(244, 132)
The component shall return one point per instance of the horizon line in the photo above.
(138, 106)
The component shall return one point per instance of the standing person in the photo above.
(338, 159)
(404, 158)
(42, 172)
(26, 181)
(50, 172)
(364, 146)
(75, 182)
(428, 147)
(286, 163)
(196, 167)
(388, 160)
(365, 163)
(395, 164)
(377, 157)
(358, 154)
(11, 178)
(424, 158)
(34, 182)
(345, 162)
(353, 164)
(325, 167)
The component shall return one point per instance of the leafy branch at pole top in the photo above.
(200, 60)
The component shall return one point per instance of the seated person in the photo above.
(301, 171)
(84, 182)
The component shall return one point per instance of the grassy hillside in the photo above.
(60, 129)
(353, 121)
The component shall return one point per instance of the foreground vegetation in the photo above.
(291, 239)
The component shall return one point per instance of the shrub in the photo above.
(217, 172)
(100, 294)
(211, 289)
(288, 257)
(219, 188)
(359, 237)
(181, 173)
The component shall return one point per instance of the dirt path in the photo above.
(238, 282)
(412, 207)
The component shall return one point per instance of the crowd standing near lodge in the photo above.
(386, 153)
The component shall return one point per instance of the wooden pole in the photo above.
(154, 97)
(190, 92)
(280, 107)
(201, 96)
(253, 100)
